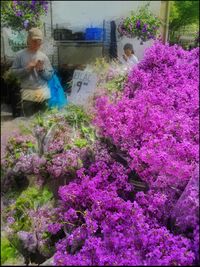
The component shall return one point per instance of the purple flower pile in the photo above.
(156, 121)
(156, 125)
(102, 228)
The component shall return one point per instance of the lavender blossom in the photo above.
(10, 220)
(26, 23)
(29, 240)
(18, 13)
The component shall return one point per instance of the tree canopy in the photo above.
(183, 13)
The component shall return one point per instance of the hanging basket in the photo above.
(142, 25)
(23, 15)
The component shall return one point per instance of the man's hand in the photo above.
(31, 65)
(39, 65)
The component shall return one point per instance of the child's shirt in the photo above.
(132, 60)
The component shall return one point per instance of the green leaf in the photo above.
(8, 252)
(30, 144)
(80, 143)
(17, 155)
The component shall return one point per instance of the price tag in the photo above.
(83, 86)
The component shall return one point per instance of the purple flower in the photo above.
(54, 228)
(10, 220)
(15, 3)
(144, 29)
(26, 23)
(29, 240)
(138, 24)
(18, 13)
(70, 215)
(45, 5)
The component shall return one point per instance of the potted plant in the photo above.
(142, 24)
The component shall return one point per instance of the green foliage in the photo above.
(47, 118)
(9, 254)
(88, 133)
(73, 115)
(183, 13)
(100, 66)
(80, 142)
(11, 79)
(39, 120)
(116, 84)
(31, 198)
(76, 116)
(24, 129)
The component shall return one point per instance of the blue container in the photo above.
(94, 34)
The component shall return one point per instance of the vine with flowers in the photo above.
(23, 15)
(142, 24)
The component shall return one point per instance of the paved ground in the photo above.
(8, 125)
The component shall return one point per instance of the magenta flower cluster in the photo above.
(104, 229)
(156, 121)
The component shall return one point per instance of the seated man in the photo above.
(34, 70)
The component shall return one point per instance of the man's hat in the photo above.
(35, 34)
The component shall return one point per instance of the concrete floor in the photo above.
(8, 125)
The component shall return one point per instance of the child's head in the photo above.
(128, 49)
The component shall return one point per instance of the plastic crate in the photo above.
(79, 36)
(62, 34)
(94, 34)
